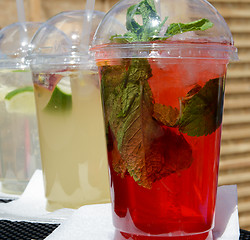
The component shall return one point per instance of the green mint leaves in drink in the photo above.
(202, 112)
(152, 25)
(143, 149)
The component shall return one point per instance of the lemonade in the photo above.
(19, 142)
(71, 131)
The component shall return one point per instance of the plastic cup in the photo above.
(19, 142)
(68, 103)
(163, 102)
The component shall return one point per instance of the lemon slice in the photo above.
(21, 100)
(61, 98)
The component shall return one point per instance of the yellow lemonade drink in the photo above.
(72, 138)
(19, 141)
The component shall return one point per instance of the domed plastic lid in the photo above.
(59, 40)
(144, 25)
(14, 44)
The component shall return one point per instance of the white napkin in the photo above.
(31, 206)
(94, 222)
(226, 214)
(91, 222)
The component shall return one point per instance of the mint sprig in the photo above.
(145, 138)
(152, 25)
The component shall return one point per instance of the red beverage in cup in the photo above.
(163, 107)
(184, 165)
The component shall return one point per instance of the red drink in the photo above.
(164, 170)
(162, 66)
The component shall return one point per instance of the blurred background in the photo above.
(235, 151)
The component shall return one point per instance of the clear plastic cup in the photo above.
(68, 103)
(163, 76)
(19, 142)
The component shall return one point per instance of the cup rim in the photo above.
(14, 63)
(74, 60)
(167, 49)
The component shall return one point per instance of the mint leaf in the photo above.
(202, 112)
(123, 107)
(131, 24)
(117, 38)
(177, 153)
(136, 32)
(132, 91)
(121, 99)
(152, 25)
(129, 37)
(112, 76)
(139, 71)
(118, 164)
(165, 115)
(178, 28)
(189, 95)
(137, 135)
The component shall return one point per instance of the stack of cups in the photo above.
(68, 103)
(19, 142)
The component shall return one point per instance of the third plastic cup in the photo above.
(71, 129)
(19, 142)
(163, 81)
